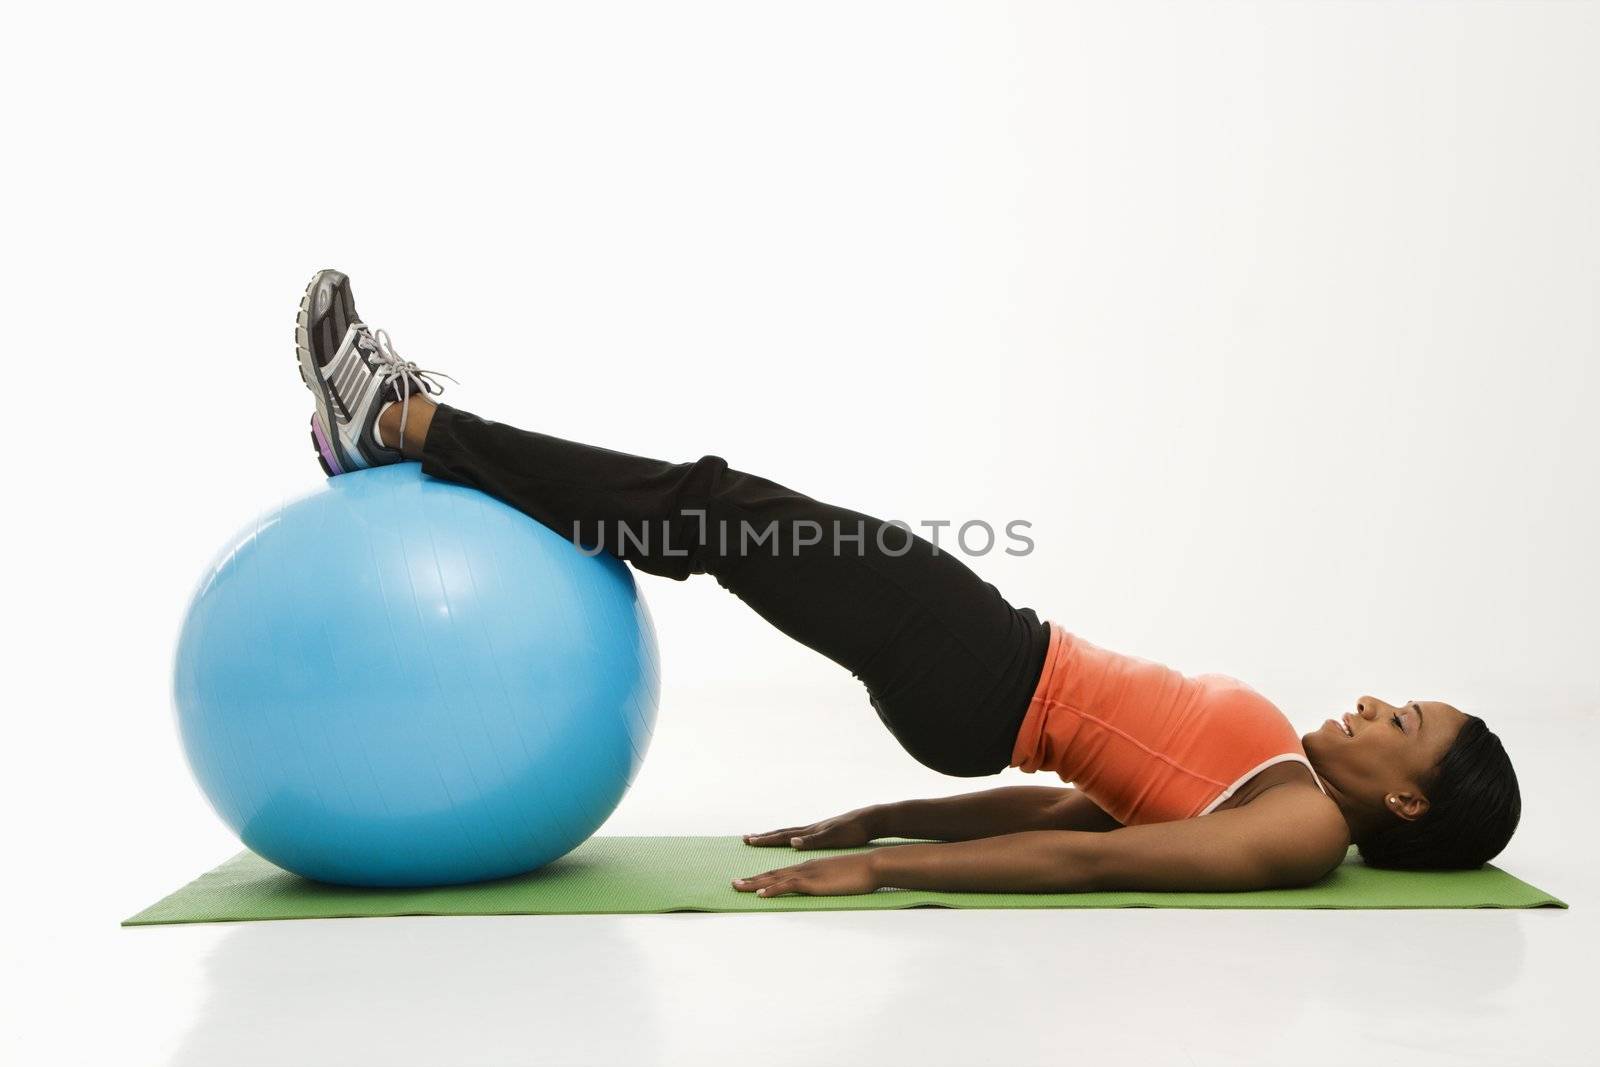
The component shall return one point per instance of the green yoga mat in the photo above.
(633, 875)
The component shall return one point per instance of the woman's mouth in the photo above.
(1344, 724)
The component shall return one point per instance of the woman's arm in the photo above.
(989, 813)
(1287, 837)
(992, 812)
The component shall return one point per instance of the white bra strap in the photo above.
(1286, 757)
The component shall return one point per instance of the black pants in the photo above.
(947, 662)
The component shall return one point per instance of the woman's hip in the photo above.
(955, 703)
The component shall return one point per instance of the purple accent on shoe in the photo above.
(325, 446)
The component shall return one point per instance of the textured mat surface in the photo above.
(616, 875)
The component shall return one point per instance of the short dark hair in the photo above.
(1473, 808)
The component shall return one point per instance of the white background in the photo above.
(1278, 322)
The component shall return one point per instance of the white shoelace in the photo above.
(404, 375)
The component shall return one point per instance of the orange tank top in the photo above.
(1144, 742)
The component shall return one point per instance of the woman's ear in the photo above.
(1408, 806)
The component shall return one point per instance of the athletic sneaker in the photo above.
(353, 373)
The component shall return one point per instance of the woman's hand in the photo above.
(850, 830)
(835, 876)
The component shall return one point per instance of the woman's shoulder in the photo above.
(1294, 832)
(1289, 799)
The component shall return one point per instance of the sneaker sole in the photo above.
(323, 441)
(326, 456)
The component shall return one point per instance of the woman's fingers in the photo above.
(775, 837)
(829, 876)
(840, 832)
(757, 882)
(836, 833)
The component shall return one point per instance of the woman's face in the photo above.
(1382, 757)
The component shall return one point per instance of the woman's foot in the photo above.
(354, 374)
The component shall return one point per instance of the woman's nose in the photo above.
(1367, 707)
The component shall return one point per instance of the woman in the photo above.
(1182, 783)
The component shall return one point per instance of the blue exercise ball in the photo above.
(398, 681)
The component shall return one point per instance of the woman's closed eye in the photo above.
(1399, 723)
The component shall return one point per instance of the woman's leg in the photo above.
(948, 663)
